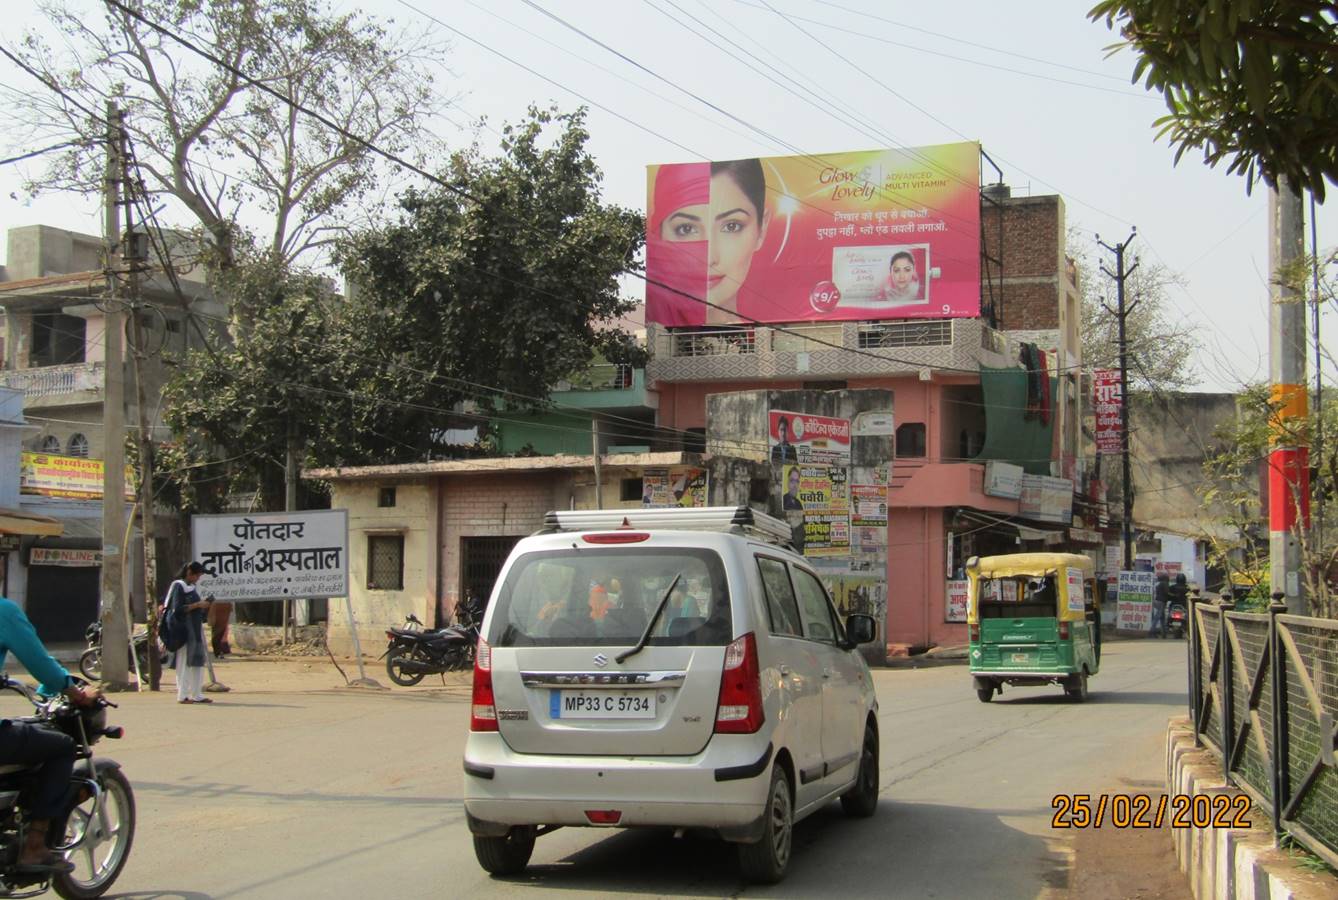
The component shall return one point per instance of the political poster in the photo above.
(818, 497)
(273, 556)
(868, 505)
(665, 488)
(873, 234)
(1135, 603)
(812, 440)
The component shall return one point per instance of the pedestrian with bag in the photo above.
(183, 618)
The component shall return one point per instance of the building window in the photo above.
(51, 444)
(386, 498)
(911, 440)
(825, 385)
(631, 489)
(385, 562)
(78, 446)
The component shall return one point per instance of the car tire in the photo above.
(506, 855)
(765, 862)
(861, 801)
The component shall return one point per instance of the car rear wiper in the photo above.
(645, 635)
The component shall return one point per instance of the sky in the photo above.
(1033, 82)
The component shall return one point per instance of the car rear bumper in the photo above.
(723, 787)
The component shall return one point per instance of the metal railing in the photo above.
(1263, 696)
(54, 381)
(600, 377)
(918, 333)
(715, 342)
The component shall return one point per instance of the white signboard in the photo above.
(1047, 499)
(957, 593)
(1003, 480)
(1077, 599)
(1135, 610)
(273, 556)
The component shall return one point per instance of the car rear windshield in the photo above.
(599, 597)
(1018, 597)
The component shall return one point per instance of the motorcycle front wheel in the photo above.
(396, 671)
(98, 853)
(90, 663)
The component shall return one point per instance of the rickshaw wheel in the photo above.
(985, 693)
(1076, 689)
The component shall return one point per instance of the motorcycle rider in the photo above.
(1179, 593)
(23, 743)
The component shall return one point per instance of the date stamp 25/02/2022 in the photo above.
(1150, 811)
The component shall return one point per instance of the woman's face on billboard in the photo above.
(734, 229)
(903, 273)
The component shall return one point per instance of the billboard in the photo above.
(801, 438)
(874, 234)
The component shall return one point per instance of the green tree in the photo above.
(1246, 82)
(205, 136)
(499, 280)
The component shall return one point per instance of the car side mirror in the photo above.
(860, 629)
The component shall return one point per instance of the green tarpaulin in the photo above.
(1011, 436)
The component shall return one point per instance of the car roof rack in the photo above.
(733, 519)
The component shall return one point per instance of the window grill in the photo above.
(891, 335)
(385, 562)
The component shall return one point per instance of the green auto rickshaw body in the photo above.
(1033, 619)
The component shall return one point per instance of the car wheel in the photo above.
(765, 862)
(507, 855)
(861, 801)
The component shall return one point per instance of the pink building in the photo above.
(963, 405)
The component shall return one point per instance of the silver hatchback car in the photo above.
(679, 668)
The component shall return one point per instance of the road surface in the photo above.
(290, 787)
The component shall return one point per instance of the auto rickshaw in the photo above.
(1034, 618)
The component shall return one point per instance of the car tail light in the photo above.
(1063, 631)
(616, 537)
(740, 708)
(483, 711)
(975, 631)
(604, 816)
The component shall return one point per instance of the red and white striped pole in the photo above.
(1289, 459)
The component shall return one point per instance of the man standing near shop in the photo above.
(1161, 593)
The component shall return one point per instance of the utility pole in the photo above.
(115, 626)
(1288, 459)
(135, 256)
(594, 444)
(1121, 313)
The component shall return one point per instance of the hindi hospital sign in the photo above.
(273, 556)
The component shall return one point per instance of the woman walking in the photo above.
(185, 605)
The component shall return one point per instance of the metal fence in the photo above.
(1264, 697)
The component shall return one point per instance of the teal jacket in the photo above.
(18, 636)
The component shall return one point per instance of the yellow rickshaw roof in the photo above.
(1017, 564)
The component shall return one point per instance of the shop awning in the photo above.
(18, 521)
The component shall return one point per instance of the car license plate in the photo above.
(602, 705)
(1021, 657)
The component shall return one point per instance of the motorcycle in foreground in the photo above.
(98, 825)
(413, 653)
(90, 661)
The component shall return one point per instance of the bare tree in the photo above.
(205, 134)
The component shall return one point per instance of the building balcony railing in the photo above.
(823, 349)
(55, 381)
(600, 377)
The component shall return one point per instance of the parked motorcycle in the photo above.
(99, 822)
(413, 653)
(90, 661)
(1177, 619)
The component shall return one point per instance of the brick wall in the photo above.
(1032, 251)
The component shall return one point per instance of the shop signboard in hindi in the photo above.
(1135, 603)
(273, 556)
(69, 477)
(1107, 398)
(1047, 499)
(957, 593)
(809, 440)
